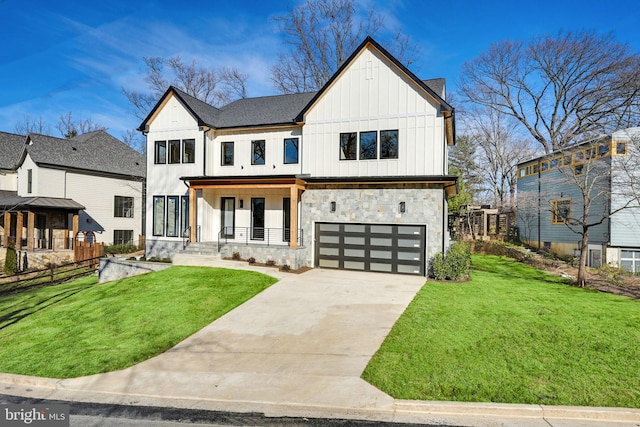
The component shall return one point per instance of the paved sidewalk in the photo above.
(298, 349)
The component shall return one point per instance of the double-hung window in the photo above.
(123, 207)
(560, 211)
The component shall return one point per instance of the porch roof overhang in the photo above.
(273, 181)
(448, 182)
(16, 203)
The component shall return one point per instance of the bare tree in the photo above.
(70, 128)
(213, 87)
(463, 163)
(135, 140)
(31, 125)
(562, 89)
(500, 150)
(322, 35)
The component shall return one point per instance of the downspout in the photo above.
(539, 207)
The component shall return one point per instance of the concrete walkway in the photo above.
(298, 349)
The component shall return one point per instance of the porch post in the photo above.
(7, 228)
(19, 222)
(192, 214)
(76, 225)
(293, 233)
(31, 221)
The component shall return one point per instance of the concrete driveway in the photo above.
(304, 341)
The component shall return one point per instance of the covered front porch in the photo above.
(256, 217)
(39, 223)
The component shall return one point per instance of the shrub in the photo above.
(455, 265)
(236, 256)
(270, 263)
(285, 267)
(11, 260)
(251, 260)
(121, 249)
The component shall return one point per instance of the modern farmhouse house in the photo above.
(88, 187)
(353, 176)
(551, 192)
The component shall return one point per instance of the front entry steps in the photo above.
(201, 248)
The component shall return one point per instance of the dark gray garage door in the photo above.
(371, 247)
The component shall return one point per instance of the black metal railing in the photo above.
(257, 236)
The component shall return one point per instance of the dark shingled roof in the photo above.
(10, 149)
(14, 202)
(93, 151)
(437, 85)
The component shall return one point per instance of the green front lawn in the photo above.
(513, 334)
(84, 328)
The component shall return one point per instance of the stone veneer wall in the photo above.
(118, 268)
(162, 248)
(364, 203)
(283, 255)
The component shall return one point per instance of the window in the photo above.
(227, 154)
(172, 216)
(123, 207)
(544, 166)
(368, 145)
(590, 153)
(348, 146)
(621, 148)
(604, 150)
(389, 144)
(184, 225)
(122, 237)
(578, 169)
(228, 216)
(29, 181)
(188, 151)
(630, 261)
(578, 157)
(560, 211)
(258, 153)
(553, 163)
(160, 152)
(158, 215)
(290, 150)
(174, 151)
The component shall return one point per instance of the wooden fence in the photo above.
(83, 251)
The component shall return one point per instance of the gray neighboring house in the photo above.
(353, 176)
(88, 187)
(546, 197)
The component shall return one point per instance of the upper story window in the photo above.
(291, 150)
(29, 181)
(227, 154)
(174, 151)
(368, 145)
(160, 151)
(258, 152)
(123, 207)
(388, 144)
(348, 146)
(621, 148)
(188, 151)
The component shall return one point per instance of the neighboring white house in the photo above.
(91, 185)
(351, 177)
(10, 147)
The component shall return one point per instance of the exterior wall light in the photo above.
(403, 207)
(333, 206)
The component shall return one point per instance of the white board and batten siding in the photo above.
(374, 95)
(242, 143)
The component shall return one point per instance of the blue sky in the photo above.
(75, 56)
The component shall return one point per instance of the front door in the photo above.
(228, 217)
(257, 218)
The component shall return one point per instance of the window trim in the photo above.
(284, 154)
(255, 143)
(619, 144)
(343, 157)
(184, 214)
(233, 153)
(175, 143)
(160, 215)
(555, 218)
(115, 241)
(397, 144)
(176, 214)
(191, 141)
(122, 208)
(156, 157)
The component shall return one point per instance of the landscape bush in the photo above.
(121, 249)
(454, 265)
(11, 260)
